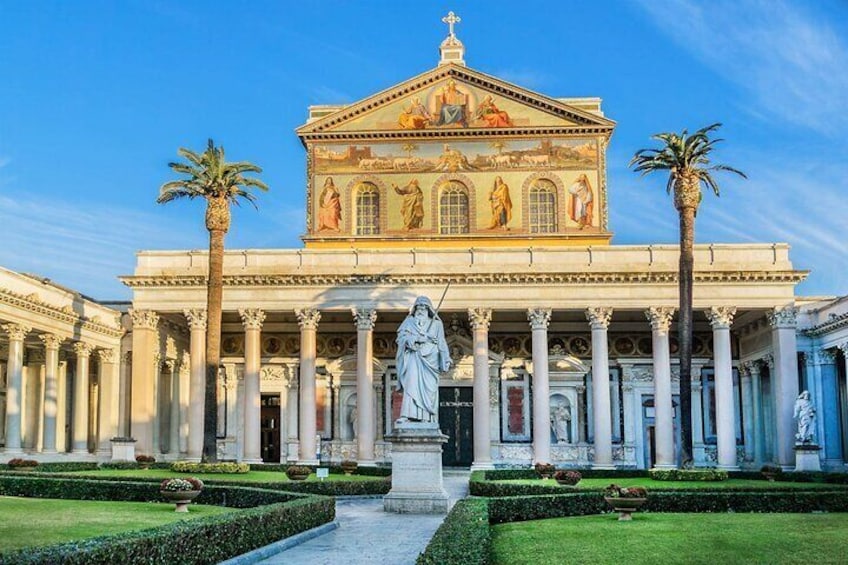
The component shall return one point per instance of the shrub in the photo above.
(463, 537)
(688, 475)
(228, 467)
(526, 473)
(145, 459)
(18, 463)
(119, 465)
(545, 470)
(568, 477)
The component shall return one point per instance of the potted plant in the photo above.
(545, 470)
(298, 472)
(568, 478)
(625, 500)
(144, 461)
(349, 467)
(19, 464)
(181, 491)
(771, 471)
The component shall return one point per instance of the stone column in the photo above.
(80, 417)
(145, 348)
(252, 319)
(365, 319)
(308, 319)
(480, 319)
(539, 320)
(720, 319)
(757, 415)
(829, 411)
(51, 391)
(747, 408)
(197, 382)
(184, 373)
(660, 318)
(107, 371)
(783, 323)
(599, 319)
(14, 386)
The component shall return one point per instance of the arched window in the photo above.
(543, 207)
(453, 208)
(367, 209)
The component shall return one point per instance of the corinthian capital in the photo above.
(106, 355)
(539, 318)
(308, 318)
(721, 317)
(364, 318)
(196, 318)
(83, 349)
(824, 356)
(51, 341)
(144, 319)
(480, 318)
(783, 318)
(660, 317)
(16, 332)
(252, 318)
(599, 317)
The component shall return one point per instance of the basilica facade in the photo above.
(490, 199)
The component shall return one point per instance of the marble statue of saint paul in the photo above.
(422, 356)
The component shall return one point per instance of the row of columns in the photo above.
(49, 401)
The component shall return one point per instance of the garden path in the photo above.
(367, 535)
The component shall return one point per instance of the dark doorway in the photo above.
(456, 417)
(270, 418)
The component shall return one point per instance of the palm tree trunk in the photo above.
(214, 298)
(687, 260)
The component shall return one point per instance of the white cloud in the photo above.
(793, 63)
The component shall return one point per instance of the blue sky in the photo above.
(95, 98)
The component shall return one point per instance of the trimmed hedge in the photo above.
(334, 469)
(269, 516)
(688, 475)
(463, 537)
(61, 467)
(513, 474)
(211, 468)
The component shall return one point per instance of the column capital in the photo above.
(106, 355)
(660, 317)
(824, 356)
(16, 332)
(721, 317)
(252, 318)
(768, 359)
(82, 349)
(843, 347)
(751, 367)
(196, 318)
(144, 319)
(364, 317)
(480, 318)
(308, 318)
(539, 318)
(51, 341)
(783, 318)
(599, 317)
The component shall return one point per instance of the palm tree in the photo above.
(209, 176)
(498, 146)
(409, 148)
(687, 160)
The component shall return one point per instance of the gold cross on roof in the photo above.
(451, 19)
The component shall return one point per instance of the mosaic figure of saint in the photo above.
(329, 207)
(412, 209)
(501, 205)
(582, 202)
(415, 116)
(452, 106)
(491, 114)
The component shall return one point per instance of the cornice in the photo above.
(835, 322)
(622, 277)
(515, 132)
(66, 314)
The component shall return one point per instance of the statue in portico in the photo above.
(561, 421)
(805, 414)
(422, 356)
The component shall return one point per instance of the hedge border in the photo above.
(464, 536)
(269, 515)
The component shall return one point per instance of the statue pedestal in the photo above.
(807, 457)
(417, 470)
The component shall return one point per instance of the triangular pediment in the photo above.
(454, 99)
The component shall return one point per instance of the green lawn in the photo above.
(587, 484)
(674, 538)
(252, 476)
(43, 521)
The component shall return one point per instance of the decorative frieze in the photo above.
(252, 318)
(660, 317)
(144, 319)
(308, 318)
(599, 317)
(33, 303)
(196, 318)
(539, 318)
(364, 318)
(721, 317)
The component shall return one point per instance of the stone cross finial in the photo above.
(451, 19)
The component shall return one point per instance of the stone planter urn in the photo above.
(625, 506)
(181, 498)
(296, 473)
(349, 467)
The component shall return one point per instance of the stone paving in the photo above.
(367, 535)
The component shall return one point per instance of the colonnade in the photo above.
(364, 318)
